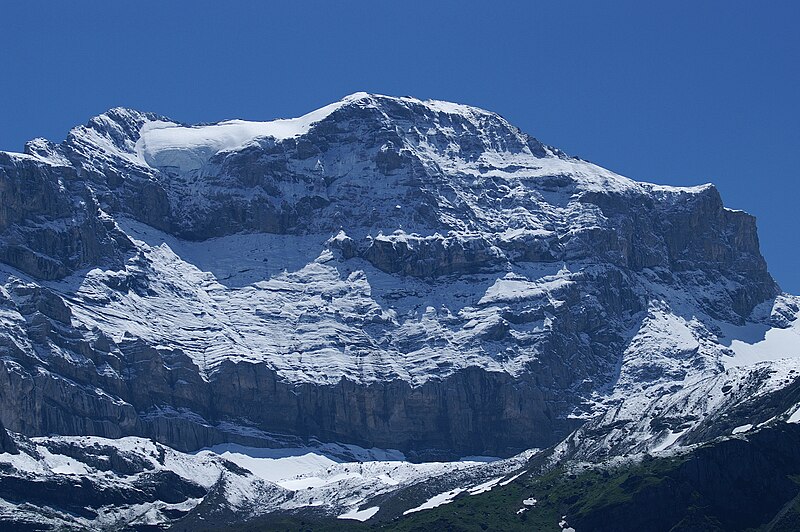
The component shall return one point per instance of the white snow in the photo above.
(742, 428)
(671, 438)
(338, 478)
(275, 465)
(674, 368)
(479, 458)
(513, 288)
(436, 500)
(795, 417)
(166, 144)
(235, 305)
(360, 515)
(484, 487)
(512, 479)
(564, 525)
(754, 342)
(347, 476)
(23, 462)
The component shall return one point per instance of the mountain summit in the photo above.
(385, 272)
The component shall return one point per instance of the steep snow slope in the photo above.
(680, 383)
(345, 322)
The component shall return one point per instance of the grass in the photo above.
(665, 493)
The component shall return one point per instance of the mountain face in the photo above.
(384, 272)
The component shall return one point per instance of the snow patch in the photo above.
(485, 487)
(671, 438)
(360, 515)
(511, 479)
(435, 501)
(275, 465)
(755, 342)
(512, 288)
(166, 144)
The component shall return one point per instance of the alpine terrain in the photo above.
(387, 313)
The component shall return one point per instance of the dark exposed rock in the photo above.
(7, 444)
(736, 484)
(464, 413)
(50, 223)
(432, 257)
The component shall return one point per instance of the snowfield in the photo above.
(166, 144)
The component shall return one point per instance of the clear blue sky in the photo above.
(676, 93)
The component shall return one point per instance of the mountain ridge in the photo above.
(384, 272)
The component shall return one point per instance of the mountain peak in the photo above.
(150, 140)
(417, 105)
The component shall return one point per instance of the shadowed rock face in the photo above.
(475, 292)
(464, 412)
(7, 444)
(51, 225)
(468, 412)
(694, 492)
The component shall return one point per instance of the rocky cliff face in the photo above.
(383, 271)
(52, 225)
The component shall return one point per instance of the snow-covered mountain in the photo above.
(87, 482)
(383, 272)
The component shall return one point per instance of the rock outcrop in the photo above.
(384, 271)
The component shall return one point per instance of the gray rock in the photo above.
(434, 205)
